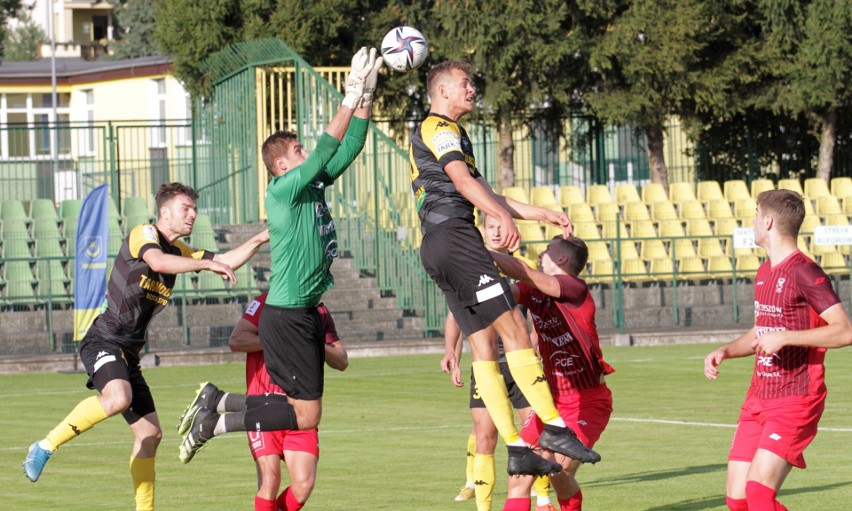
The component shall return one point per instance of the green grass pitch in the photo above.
(394, 432)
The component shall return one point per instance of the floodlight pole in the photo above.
(54, 147)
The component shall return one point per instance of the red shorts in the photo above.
(263, 443)
(783, 426)
(586, 412)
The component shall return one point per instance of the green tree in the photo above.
(135, 20)
(8, 9)
(22, 42)
(654, 59)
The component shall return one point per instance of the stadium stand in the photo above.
(736, 189)
(747, 265)
(745, 208)
(661, 269)
(70, 208)
(542, 195)
(654, 192)
(707, 191)
(720, 267)
(625, 192)
(634, 271)
(691, 268)
(681, 192)
(598, 194)
(570, 194)
(636, 211)
(760, 185)
(43, 209)
(827, 205)
(841, 187)
(709, 248)
(663, 211)
(12, 209)
(607, 212)
(792, 185)
(691, 209)
(581, 212)
(815, 188)
(719, 208)
(135, 207)
(514, 192)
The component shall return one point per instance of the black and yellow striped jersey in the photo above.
(436, 142)
(135, 292)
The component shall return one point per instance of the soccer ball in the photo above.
(404, 49)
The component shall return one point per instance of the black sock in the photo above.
(267, 417)
(242, 402)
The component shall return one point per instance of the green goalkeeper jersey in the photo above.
(302, 236)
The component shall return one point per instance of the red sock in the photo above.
(517, 505)
(762, 498)
(261, 504)
(736, 504)
(575, 503)
(287, 501)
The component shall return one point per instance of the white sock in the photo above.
(558, 422)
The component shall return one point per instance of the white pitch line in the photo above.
(707, 424)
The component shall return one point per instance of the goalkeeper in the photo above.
(303, 243)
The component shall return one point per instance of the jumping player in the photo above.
(797, 316)
(447, 186)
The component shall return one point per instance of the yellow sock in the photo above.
(484, 475)
(525, 367)
(86, 414)
(541, 484)
(471, 452)
(492, 390)
(142, 472)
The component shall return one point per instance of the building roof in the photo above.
(77, 70)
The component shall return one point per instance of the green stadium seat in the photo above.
(16, 239)
(50, 269)
(212, 286)
(570, 194)
(46, 228)
(48, 247)
(815, 188)
(132, 221)
(246, 282)
(736, 189)
(184, 289)
(70, 208)
(20, 282)
(542, 195)
(112, 209)
(43, 209)
(135, 206)
(116, 236)
(12, 209)
(707, 191)
(625, 192)
(760, 185)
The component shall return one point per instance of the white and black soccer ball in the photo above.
(404, 49)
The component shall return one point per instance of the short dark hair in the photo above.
(275, 146)
(439, 70)
(577, 250)
(786, 207)
(168, 191)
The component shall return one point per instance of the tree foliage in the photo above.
(8, 9)
(22, 43)
(135, 19)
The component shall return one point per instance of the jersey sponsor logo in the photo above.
(445, 142)
(779, 284)
(484, 279)
(763, 309)
(149, 233)
(563, 363)
(331, 249)
(326, 229)
(252, 308)
(320, 209)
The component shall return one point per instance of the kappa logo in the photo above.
(442, 124)
(484, 279)
(101, 354)
(539, 379)
(480, 483)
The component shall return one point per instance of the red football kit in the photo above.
(787, 394)
(263, 443)
(573, 361)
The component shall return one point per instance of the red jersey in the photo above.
(567, 337)
(790, 296)
(257, 379)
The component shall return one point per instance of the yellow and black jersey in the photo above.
(436, 142)
(136, 293)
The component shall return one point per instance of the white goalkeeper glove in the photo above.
(355, 84)
(372, 77)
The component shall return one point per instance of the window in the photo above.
(89, 139)
(158, 112)
(31, 122)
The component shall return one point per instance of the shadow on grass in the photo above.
(657, 475)
(716, 502)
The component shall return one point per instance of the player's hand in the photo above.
(711, 362)
(511, 237)
(374, 64)
(769, 343)
(561, 220)
(355, 83)
(455, 377)
(448, 365)
(222, 269)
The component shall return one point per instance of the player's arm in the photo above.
(236, 257)
(836, 334)
(336, 356)
(162, 262)
(523, 211)
(740, 347)
(244, 338)
(472, 189)
(452, 350)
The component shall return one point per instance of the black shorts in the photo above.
(106, 360)
(515, 395)
(457, 260)
(294, 349)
